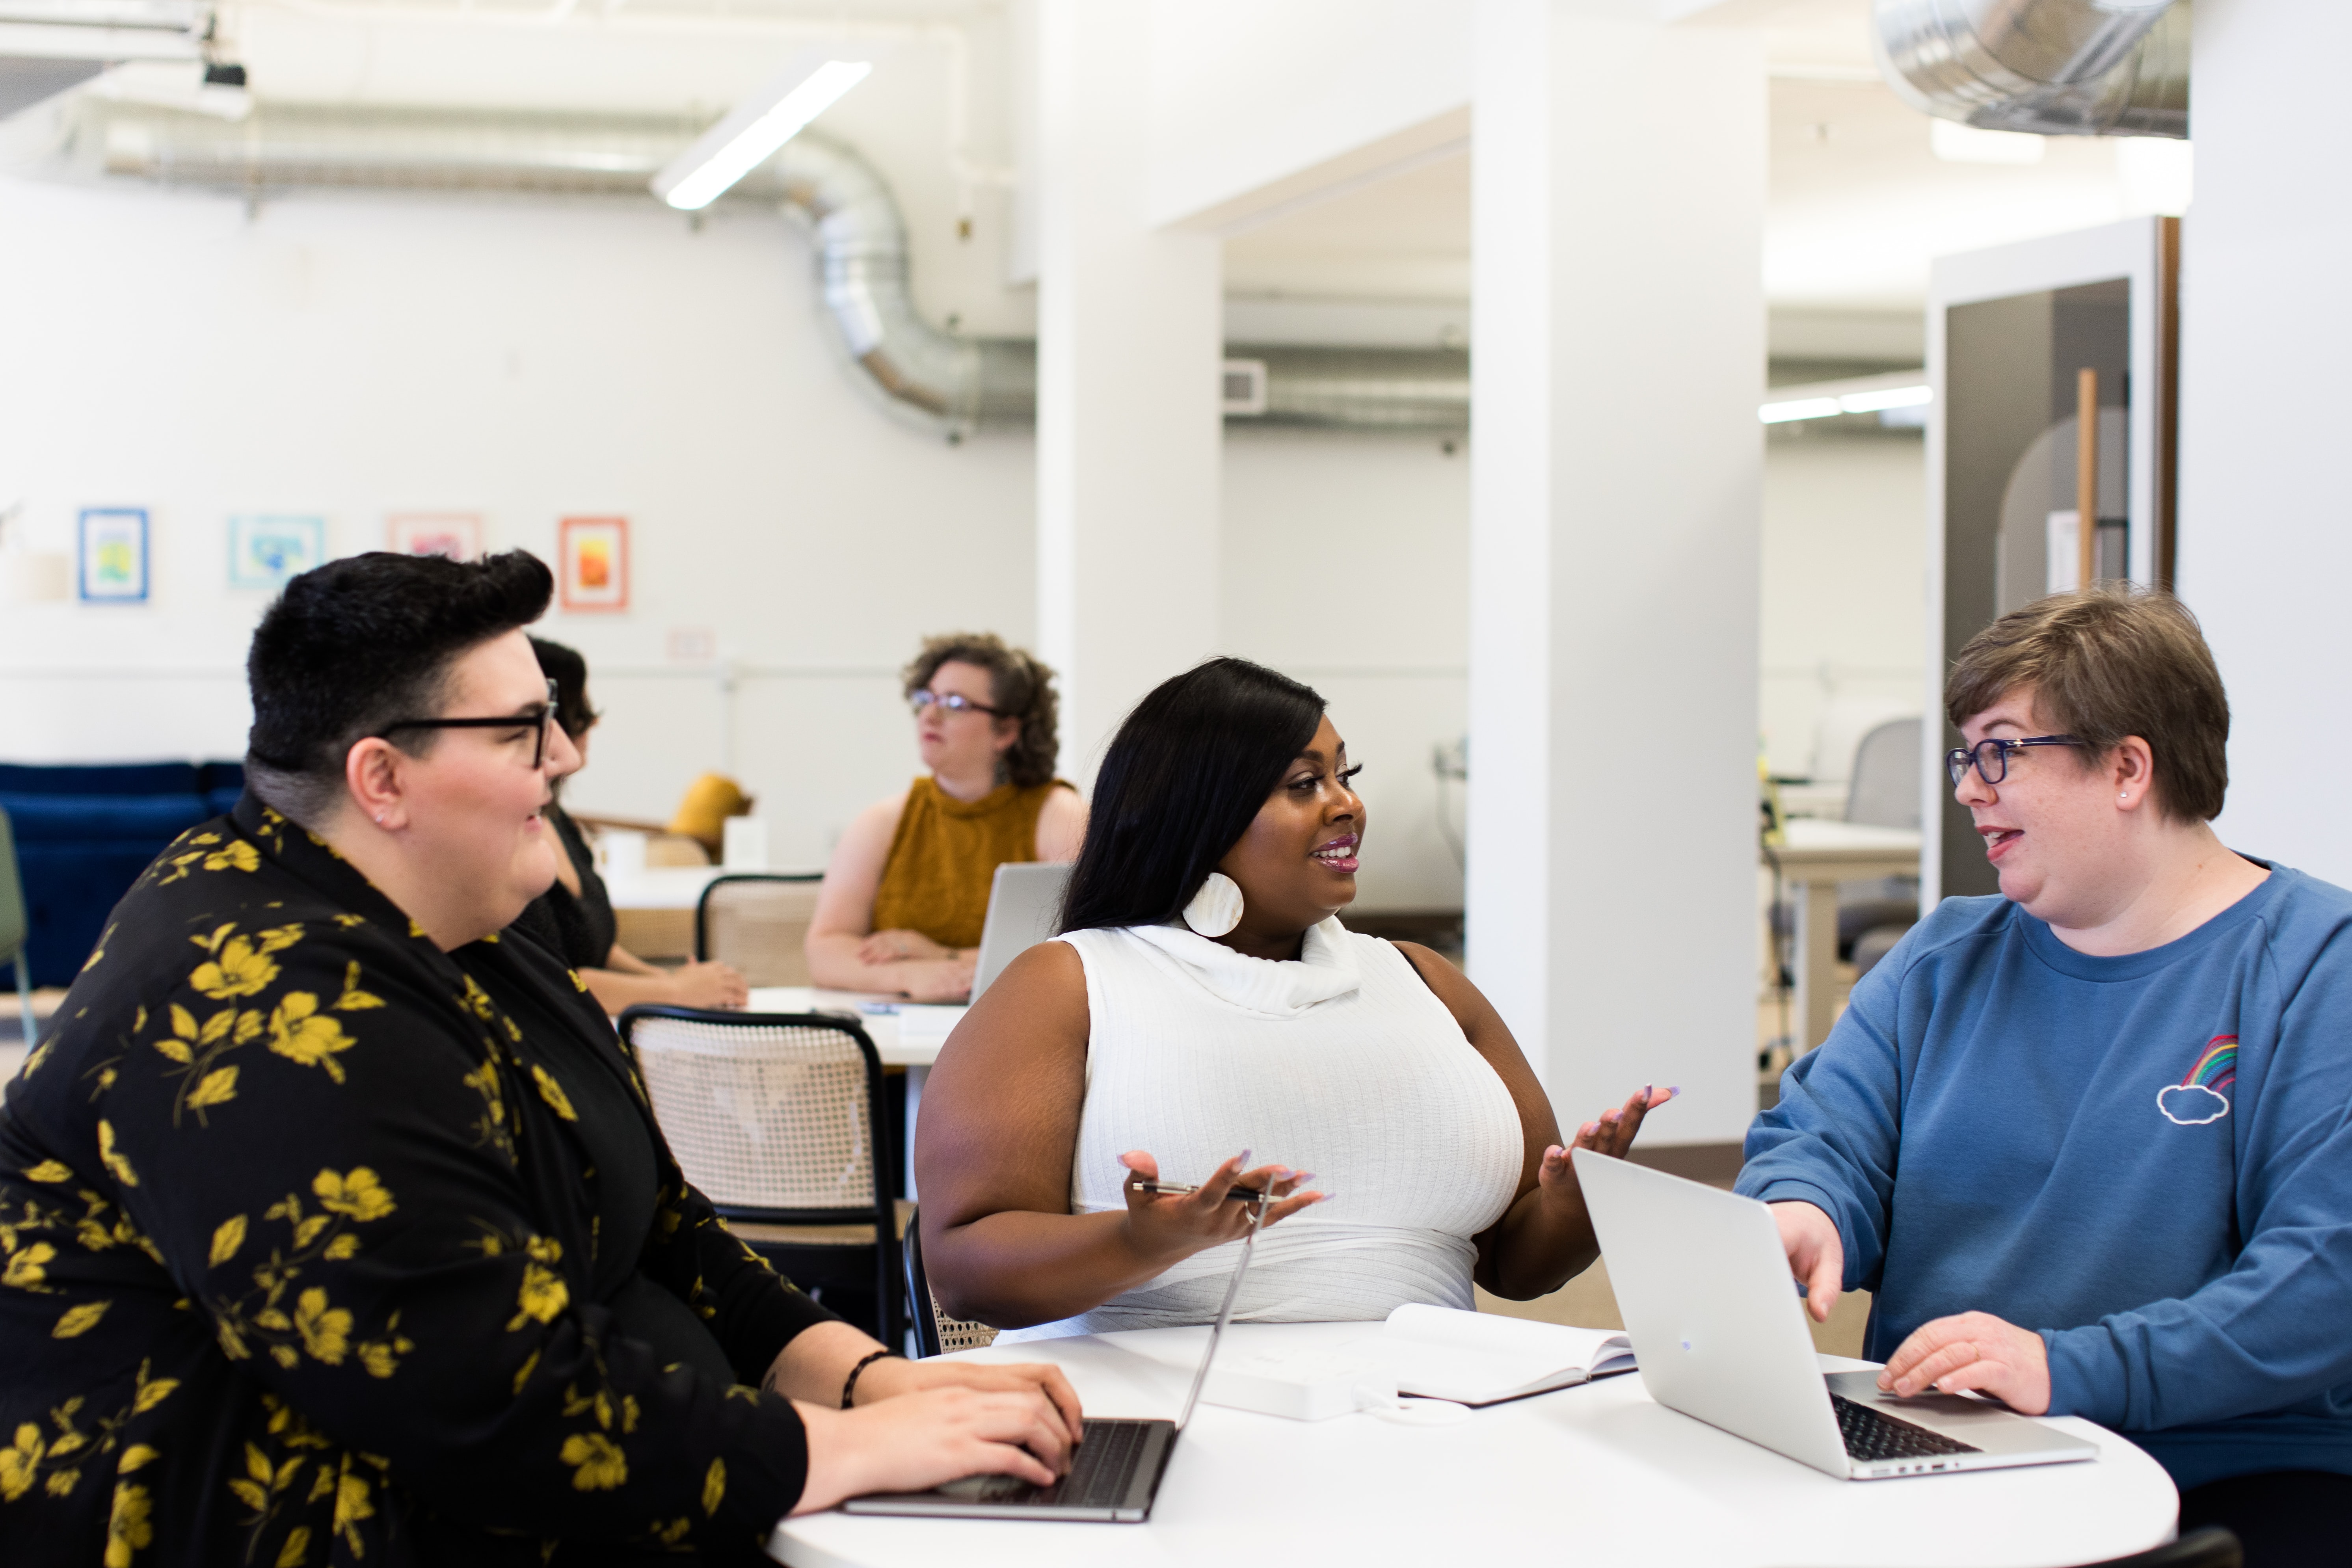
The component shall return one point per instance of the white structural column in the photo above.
(2264, 556)
(1617, 231)
(1129, 324)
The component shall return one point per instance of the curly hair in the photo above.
(1020, 685)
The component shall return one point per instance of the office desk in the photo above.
(1818, 856)
(909, 1037)
(1597, 1475)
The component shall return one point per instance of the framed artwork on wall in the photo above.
(594, 552)
(264, 552)
(456, 534)
(112, 555)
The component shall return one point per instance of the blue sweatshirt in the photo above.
(2148, 1159)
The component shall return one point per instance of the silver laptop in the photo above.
(1114, 1476)
(1022, 904)
(1704, 1284)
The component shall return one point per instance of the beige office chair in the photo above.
(777, 1119)
(1883, 792)
(759, 922)
(936, 1334)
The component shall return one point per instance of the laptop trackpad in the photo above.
(986, 1488)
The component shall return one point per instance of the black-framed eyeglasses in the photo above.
(541, 717)
(1991, 757)
(953, 701)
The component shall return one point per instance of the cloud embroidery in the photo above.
(2198, 1099)
(2191, 1104)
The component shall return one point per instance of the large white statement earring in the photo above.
(1216, 909)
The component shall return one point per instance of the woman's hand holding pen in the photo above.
(1164, 1226)
(1612, 1134)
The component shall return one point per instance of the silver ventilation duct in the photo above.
(2057, 67)
(934, 379)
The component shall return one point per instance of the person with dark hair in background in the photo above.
(1204, 997)
(336, 1228)
(906, 893)
(573, 919)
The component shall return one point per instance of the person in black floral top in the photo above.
(336, 1228)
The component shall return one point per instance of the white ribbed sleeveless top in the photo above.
(1343, 1063)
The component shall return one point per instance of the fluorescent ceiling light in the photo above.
(1802, 408)
(751, 132)
(1957, 143)
(1877, 400)
(1892, 397)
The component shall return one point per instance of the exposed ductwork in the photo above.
(2057, 67)
(937, 380)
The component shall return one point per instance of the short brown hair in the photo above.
(2108, 662)
(1019, 686)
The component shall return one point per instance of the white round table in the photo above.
(1598, 1474)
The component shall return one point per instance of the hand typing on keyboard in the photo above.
(920, 1440)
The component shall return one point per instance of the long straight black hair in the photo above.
(1184, 776)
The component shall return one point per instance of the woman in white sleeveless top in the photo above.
(1204, 1002)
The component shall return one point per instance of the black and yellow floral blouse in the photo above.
(308, 1257)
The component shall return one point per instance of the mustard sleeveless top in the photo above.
(944, 856)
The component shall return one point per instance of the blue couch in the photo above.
(84, 834)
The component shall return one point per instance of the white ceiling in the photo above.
(1858, 205)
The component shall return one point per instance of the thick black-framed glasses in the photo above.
(953, 701)
(1991, 757)
(541, 717)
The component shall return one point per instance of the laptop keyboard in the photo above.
(1871, 1435)
(1105, 1466)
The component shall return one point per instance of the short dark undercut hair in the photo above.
(363, 642)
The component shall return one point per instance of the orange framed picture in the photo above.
(594, 573)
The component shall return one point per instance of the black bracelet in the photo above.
(849, 1383)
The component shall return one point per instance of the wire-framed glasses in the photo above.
(950, 701)
(1991, 757)
(540, 717)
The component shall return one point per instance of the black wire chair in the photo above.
(936, 1334)
(2211, 1547)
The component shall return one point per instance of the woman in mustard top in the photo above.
(907, 894)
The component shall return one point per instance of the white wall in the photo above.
(1345, 565)
(2264, 551)
(355, 356)
(1844, 607)
(1253, 104)
(350, 356)
(1618, 192)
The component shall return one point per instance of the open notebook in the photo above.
(1433, 1352)
(1478, 1358)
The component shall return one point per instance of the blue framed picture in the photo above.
(264, 552)
(114, 555)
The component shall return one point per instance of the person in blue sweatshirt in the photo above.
(2089, 1142)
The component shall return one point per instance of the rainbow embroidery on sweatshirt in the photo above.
(2198, 1099)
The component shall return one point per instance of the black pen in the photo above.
(1178, 1190)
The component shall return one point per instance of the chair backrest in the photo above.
(1884, 788)
(759, 922)
(936, 1334)
(775, 1116)
(14, 926)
